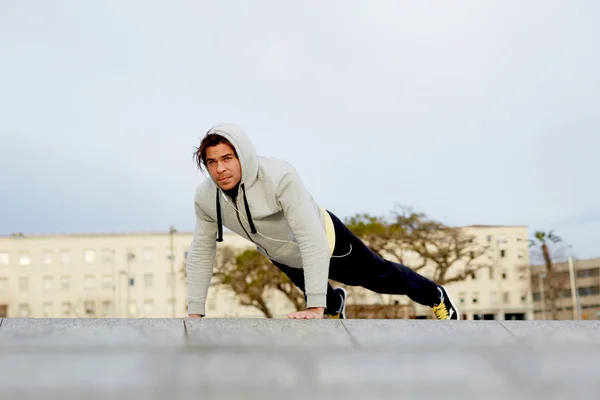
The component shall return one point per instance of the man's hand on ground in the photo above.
(194, 316)
(311, 313)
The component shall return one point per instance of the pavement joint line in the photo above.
(353, 340)
(518, 339)
(186, 334)
(514, 336)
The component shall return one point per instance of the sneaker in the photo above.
(341, 314)
(445, 309)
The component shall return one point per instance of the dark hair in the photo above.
(210, 140)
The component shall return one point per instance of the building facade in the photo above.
(585, 277)
(500, 289)
(141, 275)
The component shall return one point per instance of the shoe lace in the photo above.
(440, 311)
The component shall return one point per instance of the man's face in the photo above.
(223, 166)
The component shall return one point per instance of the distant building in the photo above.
(96, 275)
(131, 275)
(500, 292)
(586, 279)
(503, 291)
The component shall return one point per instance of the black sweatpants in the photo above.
(354, 264)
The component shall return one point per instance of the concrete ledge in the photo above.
(259, 358)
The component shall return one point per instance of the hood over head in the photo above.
(246, 153)
(244, 148)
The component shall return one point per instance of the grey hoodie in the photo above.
(273, 209)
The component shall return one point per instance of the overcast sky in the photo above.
(472, 112)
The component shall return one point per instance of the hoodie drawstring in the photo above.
(252, 228)
(220, 221)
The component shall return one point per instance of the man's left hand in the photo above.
(311, 313)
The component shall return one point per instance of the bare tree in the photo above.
(252, 276)
(436, 244)
(382, 236)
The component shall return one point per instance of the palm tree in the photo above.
(542, 239)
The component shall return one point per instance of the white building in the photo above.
(132, 275)
(503, 291)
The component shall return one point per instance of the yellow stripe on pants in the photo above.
(330, 230)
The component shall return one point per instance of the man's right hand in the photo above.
(194, 316)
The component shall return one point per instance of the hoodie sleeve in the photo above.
(200, 261)
(303, 219)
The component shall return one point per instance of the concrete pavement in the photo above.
(285, 359)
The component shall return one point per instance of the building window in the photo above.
(504, 275)
(133, 308)
(489, 238)
(148, 307)
(589, 291)
(148, 280)
(3, 285)
(47, 257)
(108, 256)
(65, 257)
(473, 275)
(502, 239)
(24, 258)
(519, 238)
(48, 282)
(24, 311)
(88, 282)
(106, 308)
(475, 297)
(65, 309)
(65, 282)
(89, 256)
(23, 284)
(147, 254)
(47, 310)
(588, 273)
(170, 305)
(4, 258)
(90, 308)
(502, 253)
(107, 281)
(523, 298)
(506, 297)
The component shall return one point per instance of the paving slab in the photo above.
(427, 333)
(274, 359)
(274, 332)
(544, 334)
(16, 332)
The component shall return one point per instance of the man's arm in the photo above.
(303, 219)
(200, 262)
